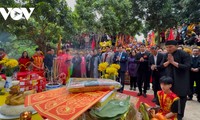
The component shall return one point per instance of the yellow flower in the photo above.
(111, 70)
(116, 73)
(106, 75)
(9, 65)
(13, 63)
(117, 66)
(103, 66)
(4, 60)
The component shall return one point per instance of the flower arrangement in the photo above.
(104, 44)
(109, 72)
(9, 65)
(188, 50)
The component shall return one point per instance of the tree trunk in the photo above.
(158, 37)
(42, 45)
(158, 30)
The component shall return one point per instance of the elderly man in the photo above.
(177, 64)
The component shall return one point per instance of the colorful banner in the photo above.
(93, 44)
(153, 43)
(171, 35)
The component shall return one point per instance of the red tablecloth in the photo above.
(24, 74)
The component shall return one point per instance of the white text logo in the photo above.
(16, 13)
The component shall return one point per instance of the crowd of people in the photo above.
(141, 63)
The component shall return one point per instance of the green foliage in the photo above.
(189, 10)
(157, 14)
(110, 16)
(166, 13)
(50, 19)
(15, 47)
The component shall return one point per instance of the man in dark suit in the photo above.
(156, 60)
(177, 64)
(121, 59)
(195, 74)
(141, 59)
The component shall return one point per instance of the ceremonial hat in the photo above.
(171, 42)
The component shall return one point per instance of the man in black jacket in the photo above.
(195, 73)
(156, 60)
(177, 64)
(141, 59)
(48, 62)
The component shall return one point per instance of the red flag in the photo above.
(93, 44)
(171, 35)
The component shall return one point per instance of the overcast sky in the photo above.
(71, 3)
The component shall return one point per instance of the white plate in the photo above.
(12, 117)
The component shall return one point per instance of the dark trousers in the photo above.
(88, 73)
(193, 77)
(156, 83)
(133, 81)
(142, 78)
(182, 104)
(198, 89)
(121, 79)
(148, 78)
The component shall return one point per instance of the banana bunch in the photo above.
(143, 111)
(16, 97)
(2, 83)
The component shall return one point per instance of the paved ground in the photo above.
(192, 111)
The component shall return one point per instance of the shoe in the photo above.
(120, 90)
(131, 88)
(145, 95)
(153, 100)
(139, 94)
(134, 89)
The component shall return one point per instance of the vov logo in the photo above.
(16, 13)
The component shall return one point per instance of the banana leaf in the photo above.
(113, 109)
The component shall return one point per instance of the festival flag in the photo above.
(122, 40)
(119, 40)
(59, 45)
(146, 42)
(152, 39)
(116, 42)
(93, 44)
(171, 35)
